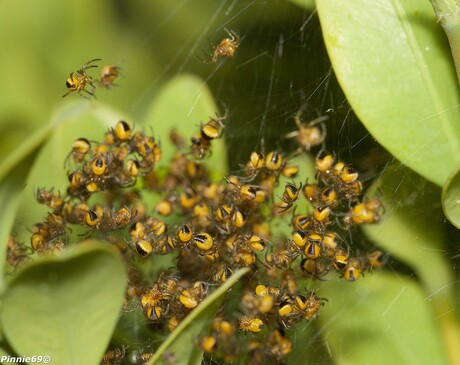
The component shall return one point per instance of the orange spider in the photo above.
(226, 48)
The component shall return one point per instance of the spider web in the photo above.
(280, 66)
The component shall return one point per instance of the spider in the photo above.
(108, 75)
(308, 135)
(78, 80)
(290, 195)
(226, 48)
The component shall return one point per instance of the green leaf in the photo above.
(67, 306)
(13, 173)
(307, 345)
(394, 65)
(411, 228)
(381, 319)
(74, 114)
(184, 103)
(451, 198)
(11, 189)
(80, 119)
(181, 345)
(6, 354)
(25, 150)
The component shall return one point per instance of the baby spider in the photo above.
(108, 75)
(226, 48)
(308, 135)
(78, 80)
(290, 195)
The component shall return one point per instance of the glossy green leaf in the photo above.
(181, 345)
(380, 319)
(184, 103)
(451, 198)
(67, 306)
(80, 119)
(394, 65)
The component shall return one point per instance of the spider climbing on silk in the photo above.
(226, 48)
(310, 134)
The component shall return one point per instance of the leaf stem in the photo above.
(450, 329)
(448, 13)
(439, 289)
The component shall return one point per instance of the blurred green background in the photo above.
(281, 64)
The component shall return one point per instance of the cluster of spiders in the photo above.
(208, 229)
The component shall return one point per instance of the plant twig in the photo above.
(448, 13)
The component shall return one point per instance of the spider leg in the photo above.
(90, 83)
(291, 134)
(84, 96)
(89, 62)
(318, 120)
(233, 35)
(297, 119)
(208, 58)
(202, 59)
